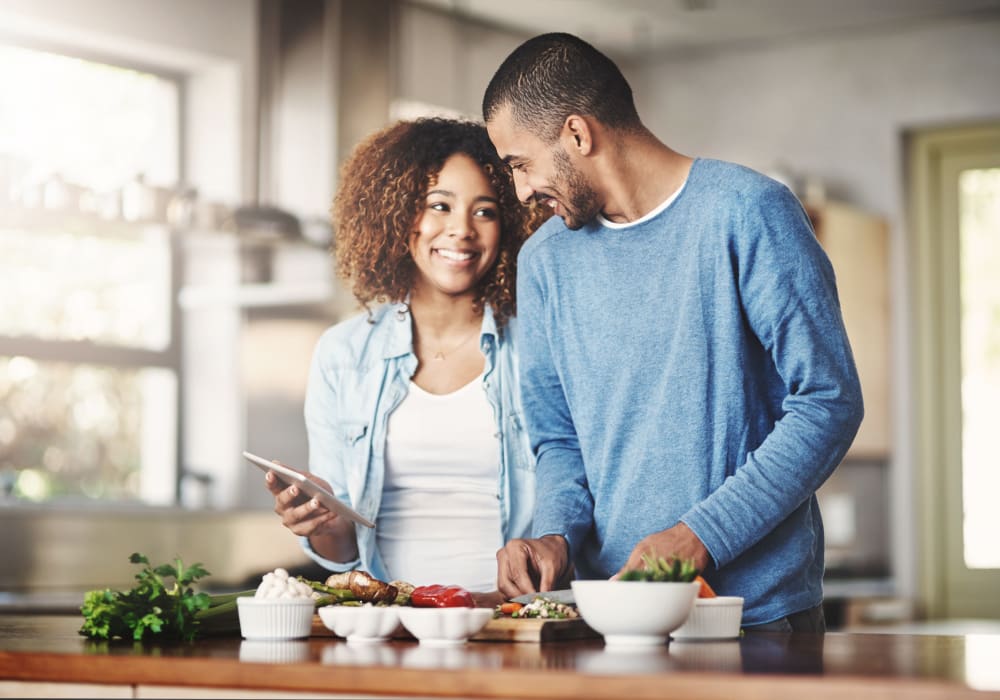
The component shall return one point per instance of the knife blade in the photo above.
(564, 596)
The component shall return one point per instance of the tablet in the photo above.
(291, 476)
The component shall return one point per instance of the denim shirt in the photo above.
(360, 373)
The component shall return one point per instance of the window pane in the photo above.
(979, 201)
(86, 284)
(69, 430)
(93, 124)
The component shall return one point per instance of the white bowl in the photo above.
(634, 613)
(361, 623)
(275, 618)
(712, 618)
(444, 626)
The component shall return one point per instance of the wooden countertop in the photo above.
(47, 648)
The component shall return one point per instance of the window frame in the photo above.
(947, 587)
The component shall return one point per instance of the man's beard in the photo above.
(581, 203)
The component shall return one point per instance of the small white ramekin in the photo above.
(712, 618)
(275, 618)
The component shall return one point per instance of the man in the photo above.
(687, 380)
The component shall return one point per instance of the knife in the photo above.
(564, 596)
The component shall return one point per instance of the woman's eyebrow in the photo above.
(449, 193)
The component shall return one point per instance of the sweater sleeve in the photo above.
(563, 505)
(790, 301)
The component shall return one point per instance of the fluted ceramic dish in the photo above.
(712, 618)
(364, 624)
(444, 626)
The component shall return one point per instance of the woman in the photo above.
(412, 408)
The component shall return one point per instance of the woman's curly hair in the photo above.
(382, 192)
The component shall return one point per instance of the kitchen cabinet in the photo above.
(857, 244)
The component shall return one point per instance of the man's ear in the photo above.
(577, 135)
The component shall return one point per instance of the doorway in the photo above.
(955, 206)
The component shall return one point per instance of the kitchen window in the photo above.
(89, 358)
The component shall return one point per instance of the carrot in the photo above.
(510, 608)
(706, 590)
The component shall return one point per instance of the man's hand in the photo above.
(676, 542)
(532, 565)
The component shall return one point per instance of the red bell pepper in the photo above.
(438, 596)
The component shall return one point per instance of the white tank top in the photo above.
(439, 521)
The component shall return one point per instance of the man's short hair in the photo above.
(551, 76)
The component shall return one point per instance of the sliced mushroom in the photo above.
(341, 580)
(369, 589)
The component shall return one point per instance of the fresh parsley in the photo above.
(163, 603)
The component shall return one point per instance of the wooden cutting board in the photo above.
(507, 629)
(534, 629)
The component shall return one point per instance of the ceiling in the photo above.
(632, 27)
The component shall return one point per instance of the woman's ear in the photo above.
(577, 135)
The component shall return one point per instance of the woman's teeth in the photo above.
(456, 255)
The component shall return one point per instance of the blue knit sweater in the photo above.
(690, 366)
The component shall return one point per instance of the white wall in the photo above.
(212, 44)
(837, 107)
(446, 61)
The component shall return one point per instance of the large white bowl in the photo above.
(712, 618)
(444, 626)
(275, 618)
(634, 613)
(361, 623)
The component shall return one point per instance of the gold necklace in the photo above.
(441, 355)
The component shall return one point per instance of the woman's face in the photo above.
(457, 236)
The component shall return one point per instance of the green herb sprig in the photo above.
(153, 607)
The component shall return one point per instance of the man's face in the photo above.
(544, 172)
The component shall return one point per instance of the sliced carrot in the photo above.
(706, 590)
(510, 608)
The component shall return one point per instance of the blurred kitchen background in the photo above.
(166, 171)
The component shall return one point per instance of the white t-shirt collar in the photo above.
(652, 214)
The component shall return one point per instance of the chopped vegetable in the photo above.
(509, 608)
(661, 569)
(438, 596)
(705, 591)
(540, 606)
